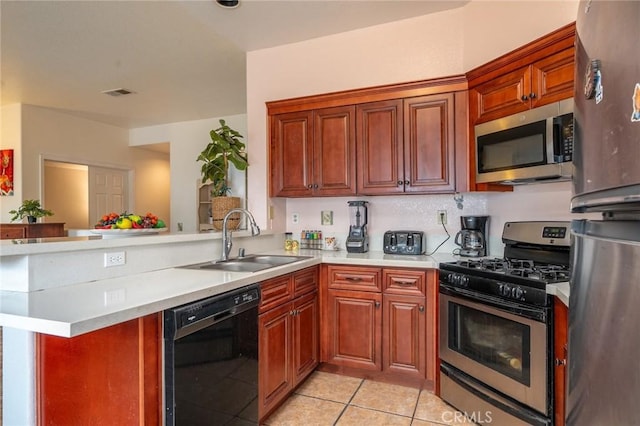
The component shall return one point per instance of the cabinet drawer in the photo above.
(305, 281)
(275, 292)
(8, 233)
(404, 281)
(355, 278)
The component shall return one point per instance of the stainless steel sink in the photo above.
(248, 264)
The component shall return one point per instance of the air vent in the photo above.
(118, 92)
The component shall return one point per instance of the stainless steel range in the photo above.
(496, 327)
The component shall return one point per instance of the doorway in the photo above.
(80, 194)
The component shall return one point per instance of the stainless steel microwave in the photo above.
(532, 146)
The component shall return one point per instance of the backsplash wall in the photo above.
(548, 201)
(409, 212)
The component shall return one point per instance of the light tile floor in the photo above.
(327, 399)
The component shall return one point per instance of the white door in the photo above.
(108, 192)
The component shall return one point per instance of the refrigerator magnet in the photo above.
(635, 115)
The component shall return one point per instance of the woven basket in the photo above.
(219, 208)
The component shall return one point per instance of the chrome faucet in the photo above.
(226, 234)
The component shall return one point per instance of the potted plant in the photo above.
(224, 150)
(30, 209)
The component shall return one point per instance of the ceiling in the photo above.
(184, 60)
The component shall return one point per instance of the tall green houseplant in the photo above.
(224, 150)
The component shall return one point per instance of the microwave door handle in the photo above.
(551, 140)
(557, 143)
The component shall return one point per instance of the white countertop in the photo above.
(561, 291)
(78, 308)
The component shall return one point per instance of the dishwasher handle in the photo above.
(188, 319)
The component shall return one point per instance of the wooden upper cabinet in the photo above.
(543, 82)
(384, 140)
(536, 74)
(429, 144)
(291, 154)
(313, 153)
(334, 149)
(552, 78)
(380, 148)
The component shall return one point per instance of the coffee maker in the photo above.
(358, 240)
(472, 237)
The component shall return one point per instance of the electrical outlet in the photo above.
(295, 218)
(117, 258)
(442, 217)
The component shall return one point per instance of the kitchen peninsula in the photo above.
(60, 287)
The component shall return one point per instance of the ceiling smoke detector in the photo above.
(117, 92)
(228, 4)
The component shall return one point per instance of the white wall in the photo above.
(37, 133)
(187, 139)
(446, 43)
(10, 136)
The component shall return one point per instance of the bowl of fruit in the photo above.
(127, 224)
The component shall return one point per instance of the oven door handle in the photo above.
(512, 306)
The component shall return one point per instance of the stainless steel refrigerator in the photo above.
(604, 307)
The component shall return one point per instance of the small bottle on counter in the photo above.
(288, 241)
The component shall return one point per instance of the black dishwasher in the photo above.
(211, 360)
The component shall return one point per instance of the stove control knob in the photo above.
(505, 290)
(518, 293)
(465, 281)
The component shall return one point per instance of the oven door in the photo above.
(499, 343)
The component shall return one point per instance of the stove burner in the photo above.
(524, 268)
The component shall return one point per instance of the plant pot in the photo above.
(32, 219)
(219, 208)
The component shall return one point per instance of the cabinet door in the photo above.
(411, 282)
(552, 78)
(355, 334)
(505, 95)
(429, 146)
(561, 315)
(305, 350)
(334, 159)
(404, 335)
(111, 376)
(291, 154)
(45, 230)
(275, 378)
(380, 148)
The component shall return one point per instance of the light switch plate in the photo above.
(326, 217)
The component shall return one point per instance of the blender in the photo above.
(358, 240)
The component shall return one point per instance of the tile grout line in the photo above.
(349, 402)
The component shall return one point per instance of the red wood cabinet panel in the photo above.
(106, 377)
(404, 335)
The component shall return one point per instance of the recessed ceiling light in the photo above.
(228, 4)
(118, 92)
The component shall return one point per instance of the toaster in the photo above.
(404, 242)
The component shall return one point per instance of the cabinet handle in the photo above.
(399, 183)
(560, 362)
(524, 97)
(421, 308)
(315, 186)
(406, 182)
(377, 304)
(356, 279)
(292, 313)
(310, 186)
(532, 95)
(404, 282)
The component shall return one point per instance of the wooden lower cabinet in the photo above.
(404, 336)
(111, 376)
(387, 329)
(561, 331)
(288, 339)
(355, 331)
